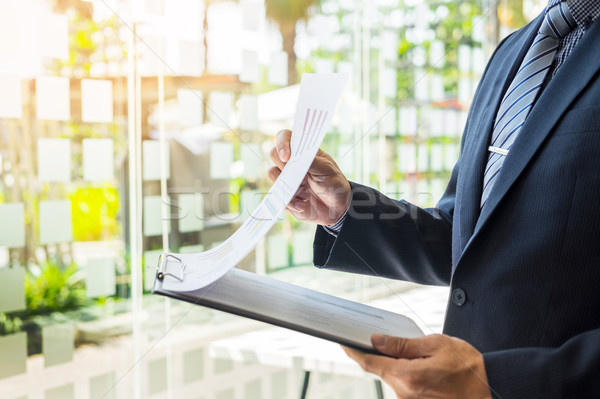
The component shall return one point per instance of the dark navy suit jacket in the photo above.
(529, 264)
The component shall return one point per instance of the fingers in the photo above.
(323, 165)
(297, 209)
(299, 203)
(273, 173)
(275, 158)
(283, 145)
(405, 347)
(379, 365)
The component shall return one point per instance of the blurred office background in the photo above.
(133, 127)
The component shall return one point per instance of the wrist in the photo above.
(341, 210)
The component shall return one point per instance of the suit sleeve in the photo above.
(394, 239)
(569, 371)
(390, 238)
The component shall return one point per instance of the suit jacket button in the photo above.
(458, 297)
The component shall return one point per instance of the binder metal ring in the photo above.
(162, 265)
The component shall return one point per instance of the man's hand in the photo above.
(324, 195)
(435, 366)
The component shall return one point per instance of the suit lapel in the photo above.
(572, 77)
(474, 155)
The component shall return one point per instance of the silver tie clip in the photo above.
(498, 150)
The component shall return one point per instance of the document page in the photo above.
(319, 95)
(297, 308)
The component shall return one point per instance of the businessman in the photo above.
(516, 234)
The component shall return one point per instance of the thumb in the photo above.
(283, 140)
(406, 348)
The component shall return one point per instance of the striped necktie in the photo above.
(524, 89)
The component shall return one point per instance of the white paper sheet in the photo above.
(278, 69)
(191, 212)
(277, 251)
(248, 106)
(54, 160)
(153, 216)
(14, 354)
(303, 247)
(11, 103)
(221, 158)
(220, 109)
(251, 157)
(103, 386)
(56, 223)
(318, 98)
(12, 296)
(98, 160)
(157, 369)
(190, 107)
(53, 98)
(190, 58)
(100, 278)
(96, 101)
(151, 150)
(250, 72)
(58, 344)
(251, 14)
(12, 234)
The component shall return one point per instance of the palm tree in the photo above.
(286, 14)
